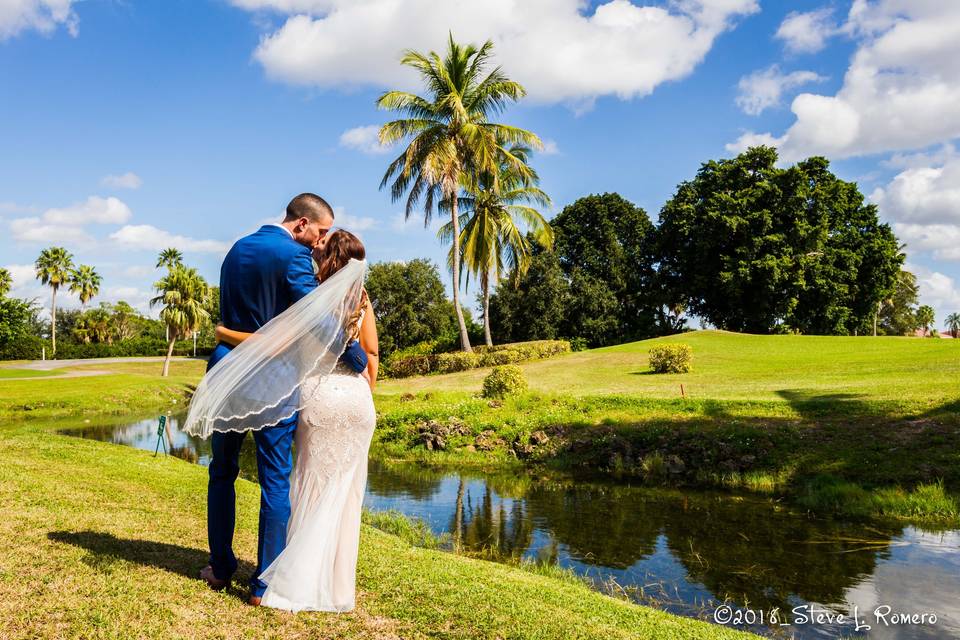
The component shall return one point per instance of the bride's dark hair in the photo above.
(341, 247)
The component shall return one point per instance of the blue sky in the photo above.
(130, 125)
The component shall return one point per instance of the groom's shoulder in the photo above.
(269, 242)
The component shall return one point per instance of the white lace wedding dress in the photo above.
(317, 569)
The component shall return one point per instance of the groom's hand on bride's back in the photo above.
(355, 357)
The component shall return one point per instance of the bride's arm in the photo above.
(230, 336)
(370, 344)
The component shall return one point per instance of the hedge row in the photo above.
(31, 348)
(406, 364)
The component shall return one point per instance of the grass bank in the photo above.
(104, 541)
(851, 426)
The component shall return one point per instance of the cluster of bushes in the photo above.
(31, 348)
(504, 381)
(670, 358)
(420, 360)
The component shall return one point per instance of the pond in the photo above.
(687, 552)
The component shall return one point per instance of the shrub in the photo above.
(671, 358)
(578, 344)
(457, 361)
(504, 381)
(496, 358)
(419, 361)
(409, 366)
(23, 348)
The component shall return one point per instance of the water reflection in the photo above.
(682, 551)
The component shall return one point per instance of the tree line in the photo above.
(188, 307)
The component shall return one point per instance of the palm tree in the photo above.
(170, 258)
(450, 135)
(183, 293)
(6, 282)
(953, 324)
(498, 224)
(53, 268)
(85, 282)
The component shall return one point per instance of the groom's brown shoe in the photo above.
(215, 583)
(254, 601)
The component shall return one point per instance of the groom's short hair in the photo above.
(310, 206)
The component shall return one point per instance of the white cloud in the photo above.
(128, 180)
(149, 237)
(94, 210)
(923, 194)
(558, 49)
(66, 224)
(762, 89)
(923, 202)
(900, 91)
(942, 241)
(36, 230)
(40, 15)
(807, 32)
(352, 223)
(364, 139)
(750, 139)
(550, 148)
(937, 290)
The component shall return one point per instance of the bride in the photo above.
(317, 569)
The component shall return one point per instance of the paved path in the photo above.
(49, 365)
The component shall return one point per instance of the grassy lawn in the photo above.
(130, 387)
(909, 373)
(103, 541)
(28, 373)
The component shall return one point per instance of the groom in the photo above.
(263, 274)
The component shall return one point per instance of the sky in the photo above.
(128, 126)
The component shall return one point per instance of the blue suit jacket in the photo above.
(263, 274)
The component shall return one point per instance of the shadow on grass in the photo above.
(105, 549)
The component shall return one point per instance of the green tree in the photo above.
(499, 225)
(53, 268)
(953, 324)
(606, 247)
(898, 314)
(183, 294)
(170, 258)
(409, 302)
(124, 320)
(451, 135)
(85, 282)
(925, 317)
(750, 246)
(16, 318)
(6, 282)
(536, 306)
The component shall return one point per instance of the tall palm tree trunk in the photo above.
(464, 338)
(485, 283)
(53, 322)
(166, 361)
